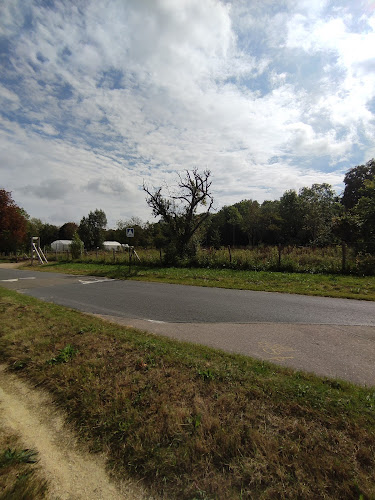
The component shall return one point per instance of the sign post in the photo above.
(130, 234)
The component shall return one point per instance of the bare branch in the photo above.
(180, 210)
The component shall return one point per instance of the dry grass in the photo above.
(20, 477)
(192, 422)
(261, 258)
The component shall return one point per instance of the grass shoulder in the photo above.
(324, 285)
(190, 421)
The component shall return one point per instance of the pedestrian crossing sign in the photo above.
(130, 232)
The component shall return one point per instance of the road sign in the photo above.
(130, 232)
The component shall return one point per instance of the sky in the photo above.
(99, 97)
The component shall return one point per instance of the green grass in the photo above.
(189, 421)
(326, 285)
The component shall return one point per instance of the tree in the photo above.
(234, 219)
(48, 234)
(91, 229)
(179, 211)
(34, 227)
(319, 205)
(67, 231)
(346, 227)
(364, 211)
(13, 223)
(291, 213)
(249, 210)
(270, 222)
(354, 182)
(141, 237)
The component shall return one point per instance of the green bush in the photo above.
(76, 247)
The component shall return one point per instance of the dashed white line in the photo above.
(94, 281)
(17, 279)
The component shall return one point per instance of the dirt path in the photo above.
(11, 265)
(71, 473)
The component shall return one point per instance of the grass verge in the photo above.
(20, 477)
(192, 422)
(324, 285)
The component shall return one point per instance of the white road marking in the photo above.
(17, 279)
(154, 321)
(94, 281)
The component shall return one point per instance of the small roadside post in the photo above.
(130, 234)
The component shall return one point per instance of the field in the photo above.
(191, 422)
(283, 259)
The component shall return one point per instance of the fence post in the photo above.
(230, 255)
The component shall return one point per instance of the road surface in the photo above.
(331, 337)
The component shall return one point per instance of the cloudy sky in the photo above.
(97, 97)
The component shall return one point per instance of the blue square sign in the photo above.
(130, 232)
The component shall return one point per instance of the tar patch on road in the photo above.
(278, 352)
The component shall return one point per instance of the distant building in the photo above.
(112, 245)
(61, 245)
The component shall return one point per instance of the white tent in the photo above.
(112, 245)
(61, 245)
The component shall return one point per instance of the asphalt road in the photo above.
(332, 337)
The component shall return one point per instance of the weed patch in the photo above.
(64, 355)
(20, 477)
(14, 456)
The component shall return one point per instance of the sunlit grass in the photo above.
(189, 421)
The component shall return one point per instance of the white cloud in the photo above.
(8, 96)
(51, 189)
(268, 96)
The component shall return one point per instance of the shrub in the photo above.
(76, 247)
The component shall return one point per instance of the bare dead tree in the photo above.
(179, 210)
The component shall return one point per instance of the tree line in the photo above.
(315, 216)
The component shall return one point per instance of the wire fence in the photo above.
(337, 259)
